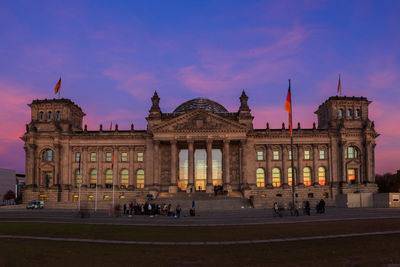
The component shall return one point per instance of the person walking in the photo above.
(307, 208)
(178, 211)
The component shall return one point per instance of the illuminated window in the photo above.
(109, 178)
(357, 113)
(77, 156)
(276, 177)
(140, 178)
(322, 154)
(260, 155)
(290, 176)
(124, 178)
(341, 112)
(275, 155)
(351, 153)
(42, 115)
(90, 197)
(48, 155)
(307, 176)
(140, 156)
(124, 156)
(77, 178)
(108, 156)
(184, 169)
(50, 115)
(321, 176)
(260, 177)
(351, 176)
(75, 198)
(93, 177)
(106, 197)
(306, 154)
(58, 115)
(216, 167)
(349, 113)
(93, 157)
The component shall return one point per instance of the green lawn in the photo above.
(366, 251)
(195, 233)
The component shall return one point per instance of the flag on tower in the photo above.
(339, 87)
(57, 87)
(112, 161)
(288, 108)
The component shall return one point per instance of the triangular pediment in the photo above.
(199, 121)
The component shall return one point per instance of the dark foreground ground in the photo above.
(243, 225)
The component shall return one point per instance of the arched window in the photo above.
(349, 112)
(357, 112)
(321, 176)
(78, 178)
(48, 155)
(276, 177)
(109, 178)
(140, 178)
(58, 115)
(93, 178)
(124, 179)
(341, 112)
(351, 153)
(307, 176)
(42, 115)
(290, 176)
(50, 115)
(260, 177)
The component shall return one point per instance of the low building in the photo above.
(197, 147)
(7, 183)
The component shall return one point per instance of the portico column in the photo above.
(284, 167)
(300, 165)
(343, 162)
(131, 184)
(191, 166)
(84, 166)
(242, 166)
(227, 181)
(100, 171)
(209, 187)
(314, 176)
(173, 187)
(156, 165)
(31, 166)
(268, 176)
(57, 162)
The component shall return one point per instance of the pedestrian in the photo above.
(124, 208)
(307, 208)
(276, 209)
(178, 211)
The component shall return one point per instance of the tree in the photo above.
(9, 195)
(388, 182)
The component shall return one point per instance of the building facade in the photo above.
(198, 146)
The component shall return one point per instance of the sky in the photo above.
(113, 55)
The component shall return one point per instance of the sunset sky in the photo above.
(113, 55)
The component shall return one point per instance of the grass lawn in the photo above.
(365, 251)
(197, 233)
(369, 251)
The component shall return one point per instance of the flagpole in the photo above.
(97, 177)
(291, 148)
(340, 87)
(113, 201)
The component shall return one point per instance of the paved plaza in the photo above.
(205, 218)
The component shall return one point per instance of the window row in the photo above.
(50, 115)
(109, 178)
(109, 156)
(276, 154)
(349, 112)
(276, 176)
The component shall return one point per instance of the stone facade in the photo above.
(194, 148)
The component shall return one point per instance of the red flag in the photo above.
(57, 87)
(112, 161)
(288, 108)
(339, 87)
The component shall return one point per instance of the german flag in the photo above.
(57, 87)
(288, 108)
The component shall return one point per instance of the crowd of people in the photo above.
(294, 209)
(150, 209)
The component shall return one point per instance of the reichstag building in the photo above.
(197, 147)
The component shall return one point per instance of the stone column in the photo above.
(314, 177)
(84, 161)
(156, 164)
(190, 186)
(116, 167)
(173, 188)
(57, 162)
(242, 165)
(30, 165)
(284, 179)
(131, 183)
(209, 188)
(227, 180)
(343, 162)
(299, 165)
(268, 170)
(100, 171)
